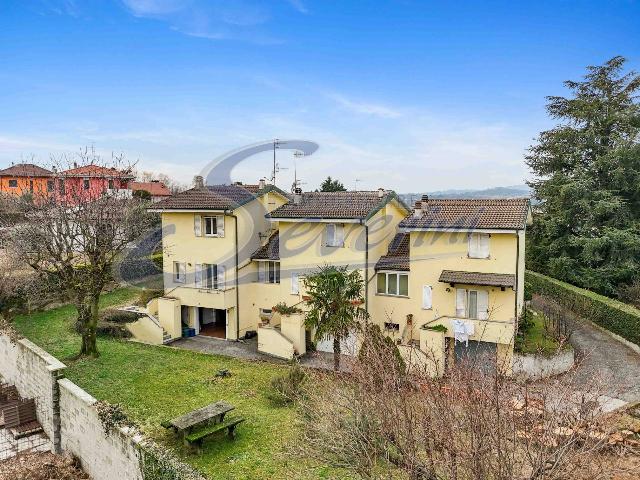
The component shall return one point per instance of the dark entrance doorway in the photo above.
(213, 322)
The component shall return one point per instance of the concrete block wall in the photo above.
(103, 457)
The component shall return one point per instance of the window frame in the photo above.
(269, 270)
(86, 184)
(337, 240)
(51, 186)
(397, 275)
(206, 220)
(13, 183)
(178, 269)
(478, 253)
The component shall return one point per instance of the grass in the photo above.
(536, 339)
(155, 383)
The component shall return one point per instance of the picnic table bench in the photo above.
(198, 425)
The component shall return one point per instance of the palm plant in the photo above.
(334, 299)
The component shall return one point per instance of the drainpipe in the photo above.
(366, 265)
(237, 280)
(517, 273)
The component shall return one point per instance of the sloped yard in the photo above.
(158, 383)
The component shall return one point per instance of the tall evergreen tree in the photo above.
(587, 170)
(331, 185)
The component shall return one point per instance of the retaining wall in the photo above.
(535, 367)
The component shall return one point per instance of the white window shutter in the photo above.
(295, 283)
(331, 234)
(198, 275)
(339, 236)
(484, 246)
(473, 245)
(461, 302)
(221, 272)
(426, 297)
(197, 225)
(220, 225)
(261, 272)
(483, 304)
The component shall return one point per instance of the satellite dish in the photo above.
(218, 171)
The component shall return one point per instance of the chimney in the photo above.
(417, 211)
(198, 182)
(297, 196)
(425, 202)
(75, 164)
(381, 192)
(262, 184)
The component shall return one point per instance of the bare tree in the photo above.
(75, 235)
(381, 421)
(170, 183)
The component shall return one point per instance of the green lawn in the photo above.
(536, 340)
(158, 383)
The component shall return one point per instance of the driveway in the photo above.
(603, 357)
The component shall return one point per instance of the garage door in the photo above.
(480, 354)
(347, 346)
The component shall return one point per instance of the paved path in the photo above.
(248, 349)
(613, 362)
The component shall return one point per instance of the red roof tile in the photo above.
(156, 189)
(26, 170)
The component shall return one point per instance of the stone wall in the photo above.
(35, 374)
(535, 367)
(103, 457)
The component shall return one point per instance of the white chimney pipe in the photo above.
(198, 182)
(297, 196)
(262, 184)
(417, 211)
(381, 192)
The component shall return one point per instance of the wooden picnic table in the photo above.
(212, 413)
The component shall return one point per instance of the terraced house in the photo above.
(233, 252)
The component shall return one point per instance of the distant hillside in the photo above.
(495, 192)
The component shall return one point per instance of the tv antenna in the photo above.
(296, 182)
(355, 184)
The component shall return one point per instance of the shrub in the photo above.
(283, 309)
(376, 343)
(630, 293)
(112, 315)
(287, 388)
(611, 314)
(147, 295)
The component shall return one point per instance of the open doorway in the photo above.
(213, 322)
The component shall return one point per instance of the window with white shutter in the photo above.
(483, 304)
(220, 225)
(339, 240)
(262, 272)
(197, 225)
(295, 283)
(478, 245)
(210, 227)
(179, 272)
(198, 275)
(426, 297)
(461, 302)
(331, 235)
(221, 273)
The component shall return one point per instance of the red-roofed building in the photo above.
(156, 188)
(27, 178)
(91, 181)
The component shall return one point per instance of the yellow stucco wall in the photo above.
(145, 330)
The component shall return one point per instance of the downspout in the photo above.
(515, 307)
(237, 279)
(366, 265)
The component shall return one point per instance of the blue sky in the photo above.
(409, 95)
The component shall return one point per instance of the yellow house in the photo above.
(233, 252)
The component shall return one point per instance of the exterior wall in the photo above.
(35, 374)
(24, 185)
(433, 252)
(292, 327)
(103, 457)
(74, 187)
(272, 342)
(535, 367)
(145, 330)
(169, 316)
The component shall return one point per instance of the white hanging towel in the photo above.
(460, 332)
(470, 328)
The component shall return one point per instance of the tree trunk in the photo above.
(336, 353)
(88, 320)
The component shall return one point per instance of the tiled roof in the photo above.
(96, 171)
(397, 258)
(333, 205)
(156, 189)
(270, 250)
(507, 214)
(26, 170)
(477, 278)
(212, 197)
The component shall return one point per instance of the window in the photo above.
(50, 186)
(478, 245)
(335, 235)
(31, 186)
(61, 187)
(295, 283)
(472, 304)
(213, 226)
(110, 185)
(427, 297)
(13, 183)
(179, 272)
(85, 183)
(394, 327)
(268, 272)
(209, 275)
(392, 283)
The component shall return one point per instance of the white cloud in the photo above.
(299, 6)
(365, 108)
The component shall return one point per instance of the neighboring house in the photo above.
(26, 178)
(91, 181)
(232, 252)
(156, 189)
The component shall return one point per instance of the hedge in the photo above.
(615, 316)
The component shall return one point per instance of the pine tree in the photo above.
(330, 185)
(587, 169)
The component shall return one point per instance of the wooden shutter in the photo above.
(339, 236)
(261, 272)
(426, 297)
(483, 304)
(197, 225)
(331, 234)
(220, 225)
(198, 275)
(483, 245)
(461, 302)
(295, 283)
